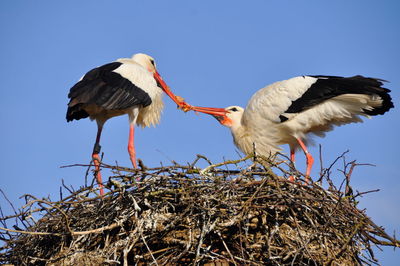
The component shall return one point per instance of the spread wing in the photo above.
(284, 100)
(313, 104)
(270, 102)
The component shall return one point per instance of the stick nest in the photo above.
(180, 215)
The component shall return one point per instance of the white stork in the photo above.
(286, 112)
(127, 86)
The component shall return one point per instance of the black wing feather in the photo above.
(327, 87)
(107, 89)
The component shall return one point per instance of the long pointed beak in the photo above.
(210, 110)
(217, 113)
(182, 104)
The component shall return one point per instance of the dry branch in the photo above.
(182, 215)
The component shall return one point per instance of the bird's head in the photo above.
(148, 62)
(145, 61)
(234, 115)
(229, 116)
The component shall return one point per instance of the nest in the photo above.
(182, 215)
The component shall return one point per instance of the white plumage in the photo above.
(129, 86)
(286, 112)
(132, 70)
(120, 98)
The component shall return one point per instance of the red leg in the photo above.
(310, 159)
(96, 159)
(292, 154)
(292, 158)
(131, 146)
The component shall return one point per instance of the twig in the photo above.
(174, 215)
(29, 233)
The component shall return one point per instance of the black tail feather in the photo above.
(330, 86)
(76, 112)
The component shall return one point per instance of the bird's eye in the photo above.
(234, 109)
(152, 62)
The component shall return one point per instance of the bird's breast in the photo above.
(151, 114)
(260, 138)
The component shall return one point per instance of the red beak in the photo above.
(218, 113)
(182, 104)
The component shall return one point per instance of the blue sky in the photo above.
(212, 53)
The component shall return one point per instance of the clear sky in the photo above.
(212, 53)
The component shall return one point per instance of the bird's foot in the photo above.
(295, 179)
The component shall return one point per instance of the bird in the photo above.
(129, 86)
(291, 111)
